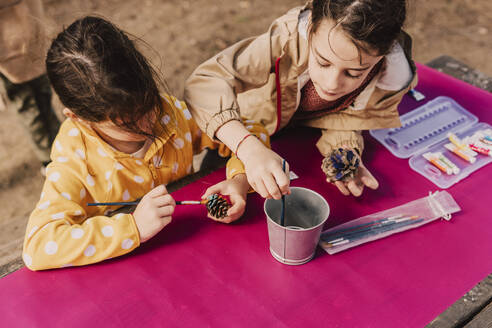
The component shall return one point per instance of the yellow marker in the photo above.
(456, 141)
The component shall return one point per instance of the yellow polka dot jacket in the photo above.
(63, 231)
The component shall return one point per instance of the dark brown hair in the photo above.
(373, 25)
(99, 74)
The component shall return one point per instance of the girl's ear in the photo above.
(68, 113)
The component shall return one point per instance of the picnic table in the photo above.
(474, 309)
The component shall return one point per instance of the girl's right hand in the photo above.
(154, 212)
(355, 186)
(264, 169)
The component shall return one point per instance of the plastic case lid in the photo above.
(424, 126)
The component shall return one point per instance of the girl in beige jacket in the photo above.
(122, 142)
(340, 66)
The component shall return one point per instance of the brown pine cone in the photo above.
(217, 205)
(341, 164)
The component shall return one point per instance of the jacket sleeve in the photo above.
(211, 90)
(333, 139)
(234, 166)
(62, 231)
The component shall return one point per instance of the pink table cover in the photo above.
(199, 273)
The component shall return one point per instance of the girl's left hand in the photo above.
(237, 189)
(355, 186)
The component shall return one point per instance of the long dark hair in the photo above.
(373, 25)
(99, 74)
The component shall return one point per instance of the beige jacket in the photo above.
(243, 79)
(22, 40)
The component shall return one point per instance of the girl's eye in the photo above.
(353, 76)
(323, 65)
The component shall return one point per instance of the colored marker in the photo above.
(480, 150)
(479, 139)
(483, 137)
(448, 163)
(460, 152)
(437, 163)
(456, 141)
(485, 142)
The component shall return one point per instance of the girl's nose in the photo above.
(331, 82)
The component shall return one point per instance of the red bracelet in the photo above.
(240, 142)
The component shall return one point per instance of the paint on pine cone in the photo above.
(341, 164)
(217, 206)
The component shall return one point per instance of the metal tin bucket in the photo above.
(305, 213)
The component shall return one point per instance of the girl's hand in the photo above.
(154, 212)
(237, 190)
(356, 185)
(264, 169)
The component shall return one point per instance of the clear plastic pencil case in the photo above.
(382, 224)
(425, 137)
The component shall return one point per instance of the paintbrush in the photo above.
(178, 202)
(282, 213)
(217, 205)
(367, 232)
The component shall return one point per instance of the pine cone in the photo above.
(217, 205)
(341, 164)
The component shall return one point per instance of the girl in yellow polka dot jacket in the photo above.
(122, 141)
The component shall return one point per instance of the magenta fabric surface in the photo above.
(199, 273)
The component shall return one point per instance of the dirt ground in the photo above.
(182, 34)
